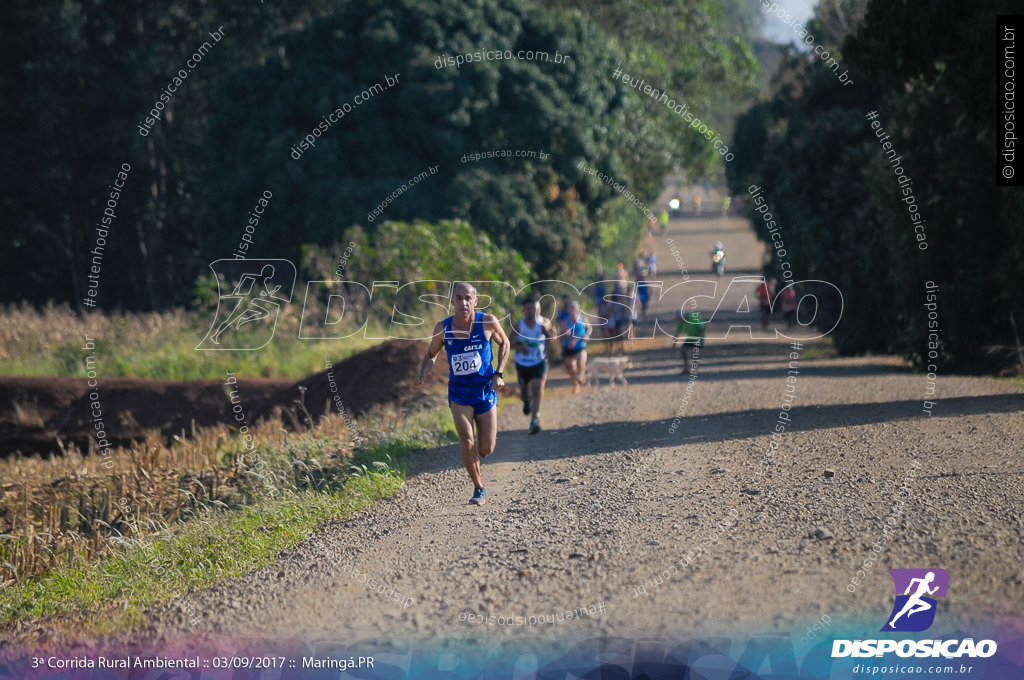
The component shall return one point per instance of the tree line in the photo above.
(210, 102)
(887, 188)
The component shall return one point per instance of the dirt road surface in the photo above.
(662, 530)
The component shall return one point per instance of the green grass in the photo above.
(229, 543)
(1017, 380)
(819, 350)
(52, 343)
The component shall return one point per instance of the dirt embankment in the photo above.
(38, 413)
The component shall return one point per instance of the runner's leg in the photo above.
(487, 433)
(570, 367)
(536, 395)
(524, 391)
(463, 417)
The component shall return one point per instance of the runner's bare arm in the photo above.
(435, 347)
(493, 326)
(549, 336)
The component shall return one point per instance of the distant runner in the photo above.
(789, 305)
(690, 332)
(765, 293)
(532, 333)
(574, 347)
(466, 337)
(621, 279)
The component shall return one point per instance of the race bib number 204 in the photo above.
(467, 363)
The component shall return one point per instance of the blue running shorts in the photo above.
(481, 397)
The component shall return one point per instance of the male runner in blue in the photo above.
(466, 337)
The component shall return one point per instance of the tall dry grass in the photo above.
(69, 509)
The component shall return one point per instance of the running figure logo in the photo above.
(914, 610)
(260, 289)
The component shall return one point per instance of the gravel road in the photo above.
(638, 528)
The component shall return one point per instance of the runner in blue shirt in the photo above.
(574, 347)
(466, 338)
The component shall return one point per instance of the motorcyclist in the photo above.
(718, 259)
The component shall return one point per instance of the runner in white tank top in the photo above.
(529, 338)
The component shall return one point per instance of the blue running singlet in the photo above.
(470, 367)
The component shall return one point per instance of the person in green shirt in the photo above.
(690, 332)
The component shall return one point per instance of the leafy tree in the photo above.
(77, 78)
(843, 207)
(409, 253)
(570, 111)
(70, 113)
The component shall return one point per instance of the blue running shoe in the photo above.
(479, 497)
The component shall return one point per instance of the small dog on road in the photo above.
(612, 367)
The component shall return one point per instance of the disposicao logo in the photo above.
(914, 611)
(917, 608)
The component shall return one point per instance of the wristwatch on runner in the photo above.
(500, 374)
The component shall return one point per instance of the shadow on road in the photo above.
(607, 437)
(718, 373)
(716, 360)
